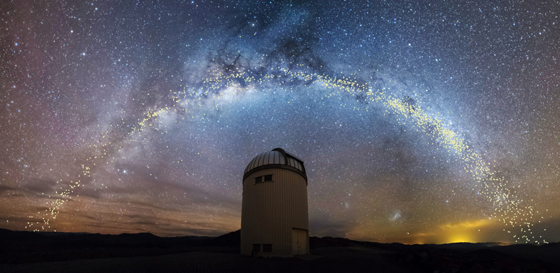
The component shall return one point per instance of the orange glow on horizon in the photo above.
(463, 232)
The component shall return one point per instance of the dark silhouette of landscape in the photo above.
(22, 251)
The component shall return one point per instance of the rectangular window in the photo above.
(267, 178)
(267, 248)
(256, 248)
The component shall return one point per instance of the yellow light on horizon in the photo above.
(464, 232)
(460, 238)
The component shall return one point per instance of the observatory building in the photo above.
(274, 219)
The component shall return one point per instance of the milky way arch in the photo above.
(233, 80)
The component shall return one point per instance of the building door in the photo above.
(299, 241)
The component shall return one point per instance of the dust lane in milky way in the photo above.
(417, 122)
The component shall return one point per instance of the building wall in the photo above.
(270, 210)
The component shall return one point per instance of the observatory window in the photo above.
(267, 248)
(256, 248)
(267, 178)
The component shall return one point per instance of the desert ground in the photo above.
(72, 252)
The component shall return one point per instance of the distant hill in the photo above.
(19, 247)
(232, 239)
(24, 246)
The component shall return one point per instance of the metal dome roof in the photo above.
(275, 159)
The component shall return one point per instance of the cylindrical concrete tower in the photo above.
(274, 219)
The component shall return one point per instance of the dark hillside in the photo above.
(52, 252)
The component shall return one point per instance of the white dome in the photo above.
(276, 158)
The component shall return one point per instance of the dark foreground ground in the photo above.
(66, 252)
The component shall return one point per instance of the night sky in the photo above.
(418, 121)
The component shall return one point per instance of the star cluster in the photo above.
(418, 122)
